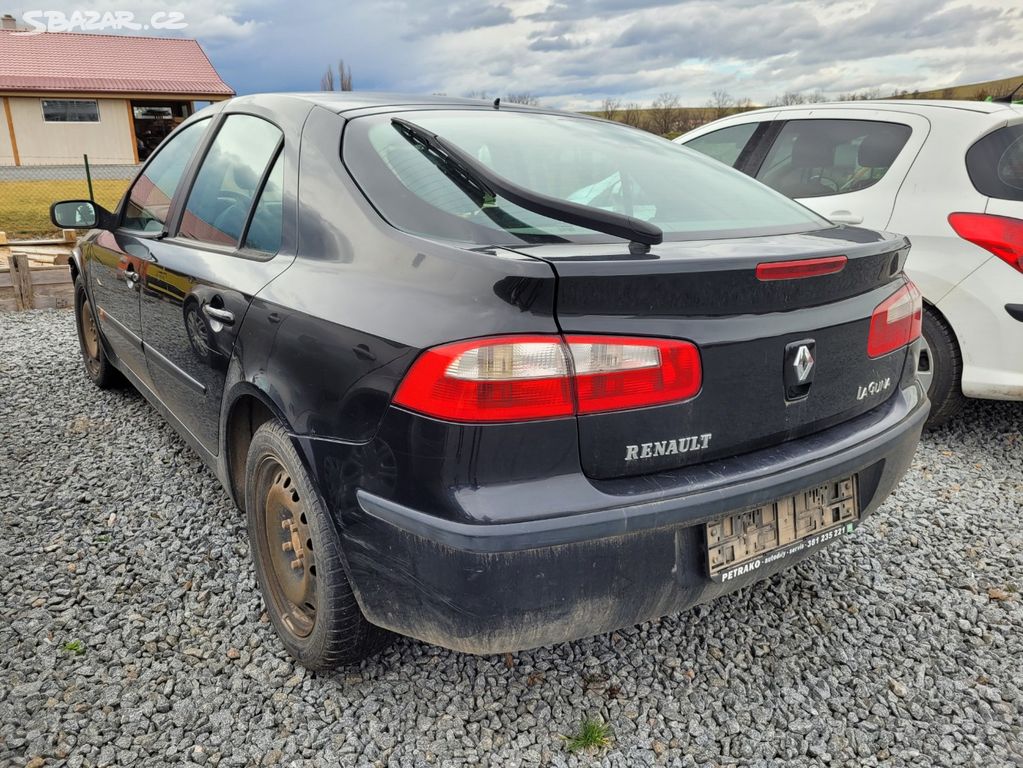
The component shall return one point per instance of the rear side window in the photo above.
(151, 194)
(264, 233)
(815, 158)
(725, 144)
(228, 180)
(995, 163)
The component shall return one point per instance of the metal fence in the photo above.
(27, 191)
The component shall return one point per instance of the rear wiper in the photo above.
(489, 185)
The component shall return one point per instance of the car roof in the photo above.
(920, 106)
(348, 101)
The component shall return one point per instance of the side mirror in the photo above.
(78, 214)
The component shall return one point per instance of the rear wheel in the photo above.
(98, 367)
(297, 554)
(940, 368)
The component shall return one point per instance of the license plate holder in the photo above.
(743, 542)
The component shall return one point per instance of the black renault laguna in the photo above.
(497, 377)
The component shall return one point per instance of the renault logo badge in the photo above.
(800, 367)
(803, 363)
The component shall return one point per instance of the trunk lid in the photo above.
(749, 333)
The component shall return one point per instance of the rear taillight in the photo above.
(1001, 235)
(896, 321)
(522, 378)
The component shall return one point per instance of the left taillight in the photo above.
(896, 322)
(523, 378)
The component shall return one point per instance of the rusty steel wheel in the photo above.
(290, 551)
(97, 367)
(297, 554)
(90, 337)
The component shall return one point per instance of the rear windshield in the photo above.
(599, 164)
(995, 163)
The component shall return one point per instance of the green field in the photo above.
(25, 205)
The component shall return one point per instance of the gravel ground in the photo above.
(132, 630)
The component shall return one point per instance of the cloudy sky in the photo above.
(572, 54)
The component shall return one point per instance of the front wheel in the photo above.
(297, 554)
(940, 369)
(98, 367)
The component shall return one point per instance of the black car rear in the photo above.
(548, 376)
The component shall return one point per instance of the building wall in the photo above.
(42, 143)
(6, 153)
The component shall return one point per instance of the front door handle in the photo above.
(845, 217)
(222, 316)
(131, 279)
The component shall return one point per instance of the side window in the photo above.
(151, 195)
(228, 180)
(725, 144)
(995, 163)
(264, 233)
(814, 158)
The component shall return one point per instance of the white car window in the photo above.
(814, 158)
(724, 144)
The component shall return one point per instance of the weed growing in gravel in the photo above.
(77, 647)
(593, 735)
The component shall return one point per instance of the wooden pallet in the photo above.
(34, 273)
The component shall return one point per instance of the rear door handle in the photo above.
(220, 315)
(845, 217)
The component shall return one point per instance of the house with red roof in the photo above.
(112, 97)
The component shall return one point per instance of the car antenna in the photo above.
(497, 102)
(1008, 99)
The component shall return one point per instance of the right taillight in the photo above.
(524, 378)
(1001, 235)
(896, 322)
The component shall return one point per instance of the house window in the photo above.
(70, 111)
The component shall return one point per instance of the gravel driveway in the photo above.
(132, 631)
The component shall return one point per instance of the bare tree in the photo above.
(665, 114)
(523, 98)
(482, 95)
(610, 107)
(721, 102)
(816, 96)
(632, 114)
(344, 78)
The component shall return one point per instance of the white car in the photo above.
(949, 174)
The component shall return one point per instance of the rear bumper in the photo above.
(491, 588)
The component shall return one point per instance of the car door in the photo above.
(118, 260)
(226, 245)
(845, 164)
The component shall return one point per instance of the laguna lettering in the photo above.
(873, 388)
(672, 447)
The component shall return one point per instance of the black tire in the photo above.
(311, 605)
(98, 367)
(940, 357)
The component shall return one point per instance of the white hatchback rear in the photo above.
(949, 174)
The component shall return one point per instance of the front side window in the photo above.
(228, 180)
(815, 158)
(610, 167)
(995, 164)
(151, 195)
(70, 111)
(725, 144)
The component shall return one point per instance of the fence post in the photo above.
(88, 177)
(21, 280)
(5, 251)
(70, 236)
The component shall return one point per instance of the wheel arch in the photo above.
(245, 411)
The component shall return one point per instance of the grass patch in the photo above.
(592, 736)
(77, 647)
(25, 205)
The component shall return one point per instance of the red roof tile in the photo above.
(86, 63)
